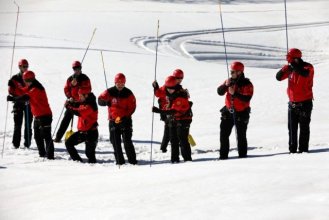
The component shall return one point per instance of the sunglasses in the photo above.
(76, 68)
(179, 77)
(172, 88)
(25, 67)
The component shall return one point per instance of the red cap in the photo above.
(23, 62)
(84, 90)
(76, 64)
(120, 78)
(178, 73)
(170, 82)
(28, 75)
(237, 66)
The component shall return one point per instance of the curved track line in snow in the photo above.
(191, 44)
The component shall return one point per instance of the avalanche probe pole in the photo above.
(11, 73)
(286, 21)
(92, 36)
(114, 138)
(232, 110)
(289, 111)
(222, 25)
(155, 76)
(104, 69)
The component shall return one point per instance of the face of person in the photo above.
(120, 85)
(171, 91)
(179, 80)
(235, 74)
(23, 68)
(76, 70)
(83, 97)
(28, 83)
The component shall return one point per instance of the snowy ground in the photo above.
(270, 184)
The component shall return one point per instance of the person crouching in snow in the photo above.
(121, 104)
(87, 111)
(179, 115)
(239, 91)
(36, 95)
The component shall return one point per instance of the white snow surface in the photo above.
(269, 184)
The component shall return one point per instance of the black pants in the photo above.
(90, 138)
(299, 114)
(68, 116)
(166, 137)
(125, 130)
(179, 131)
(228, 120)
(20, 110)
(42, 136)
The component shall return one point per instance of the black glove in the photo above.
(10, 98)
(299, 68)
(155, 85)
(156, 110)
(67, 104)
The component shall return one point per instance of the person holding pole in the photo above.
(121, 104)
(76, 81)
(179, 116)
(20, 109)
(239, 91)
(35, 93)
(87, 112)
(300, 83)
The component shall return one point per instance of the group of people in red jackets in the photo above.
(175, 109)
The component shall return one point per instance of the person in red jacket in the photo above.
(87, 111)
(239, 91)
(121, 104)
(160, 93)
(179, 116)
(36, 95)
(76, 81)
(300, 83)
(20, 109)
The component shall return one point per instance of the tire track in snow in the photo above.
(191, 44)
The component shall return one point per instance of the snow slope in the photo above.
(270, 184)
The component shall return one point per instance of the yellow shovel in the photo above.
(70, 132)
(191, 140)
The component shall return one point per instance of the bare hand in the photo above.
(231, 90)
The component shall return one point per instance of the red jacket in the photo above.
(87, 113)
(244, 90)
(16, 85)
(120, 103)
(300, 81)
(179, 103)
(38, 99)
(163, 100)
(72, 91)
